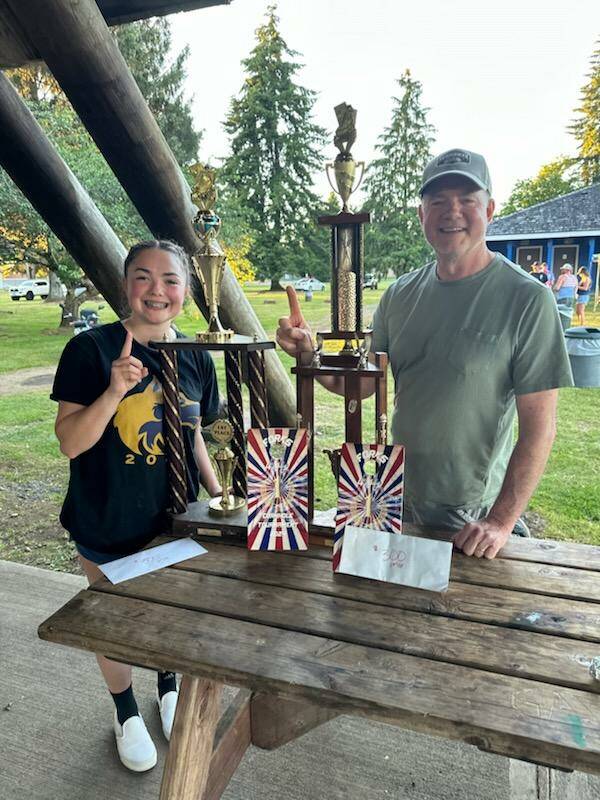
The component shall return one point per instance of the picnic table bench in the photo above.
(507, 659)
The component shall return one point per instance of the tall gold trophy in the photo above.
(209, 260)
(346, 232)
(344, 166)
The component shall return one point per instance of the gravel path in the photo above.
(24, 380)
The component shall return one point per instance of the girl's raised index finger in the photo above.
(295, 312)
(127, 345)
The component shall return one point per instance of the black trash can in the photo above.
(565, 314)
(583, 347)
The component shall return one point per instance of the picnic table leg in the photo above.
(191, 746)
(534, 782)
(278, 720)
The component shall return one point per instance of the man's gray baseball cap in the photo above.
(458, 162)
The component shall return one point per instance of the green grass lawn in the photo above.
(33, 473)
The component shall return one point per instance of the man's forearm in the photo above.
(525, 468)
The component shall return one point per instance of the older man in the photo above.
(470, 337)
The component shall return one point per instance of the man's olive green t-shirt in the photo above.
(460, 351)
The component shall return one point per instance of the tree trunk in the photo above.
(56, 290)
(70, 307)
(83, 56)
(276, 286)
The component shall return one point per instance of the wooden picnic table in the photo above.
(503, 660)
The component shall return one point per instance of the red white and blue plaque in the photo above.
(277, 475)
(370, 491)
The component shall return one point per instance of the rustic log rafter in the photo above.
(17, 51)
(45, 179)
(77, 46)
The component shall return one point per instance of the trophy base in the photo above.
(214, 337)
(215, 509)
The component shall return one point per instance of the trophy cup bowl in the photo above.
(226, 503)
(210, 266)
(344, 170)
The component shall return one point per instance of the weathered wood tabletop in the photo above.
(503, 660)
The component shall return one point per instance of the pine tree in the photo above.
(586, 128)
(275, 149)
(146, 46)
(394, 240)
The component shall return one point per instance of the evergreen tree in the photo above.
(394, 240)
(146, 46)
(553, 180)
(586, 128)
(275, 149)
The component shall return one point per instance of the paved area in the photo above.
(56, 741)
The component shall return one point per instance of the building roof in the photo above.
(570, 215)
(16, 50)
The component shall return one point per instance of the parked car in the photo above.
(370, 282)
(309, 285)
(39, 287)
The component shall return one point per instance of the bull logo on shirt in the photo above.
(139, 419)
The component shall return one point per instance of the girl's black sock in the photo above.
(126, 705)
(166, 683)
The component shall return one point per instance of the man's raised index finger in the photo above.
(295, 311)
(127, 345)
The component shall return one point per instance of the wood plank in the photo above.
(117, 12)
(547, 551)
(526, 576)
(191, 745)
(232, 739)
(512, 716)
(512, 652)
(279, 720)
(563, 617)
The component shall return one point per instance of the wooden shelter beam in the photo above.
(45, 179)
(75, 42)
(16, 50)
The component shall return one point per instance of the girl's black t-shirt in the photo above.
(118, 489)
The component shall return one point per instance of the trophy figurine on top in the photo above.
(209, 260)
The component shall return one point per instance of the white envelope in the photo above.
(396, 558)
(163, 555)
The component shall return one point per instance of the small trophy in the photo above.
(227, 503)
(344, 166)
(209, 260)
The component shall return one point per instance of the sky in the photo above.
(502, 80)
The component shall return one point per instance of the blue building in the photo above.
(565, 230)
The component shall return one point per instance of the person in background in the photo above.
(583, 293)
(566, 286)
(538, 272)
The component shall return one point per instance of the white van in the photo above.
(39, 287)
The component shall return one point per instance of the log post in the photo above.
(75, 42)
(45, 179)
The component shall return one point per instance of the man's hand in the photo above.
(482, 539)
(294, 334)
(127, 371)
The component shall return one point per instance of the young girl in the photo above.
(109, 423)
